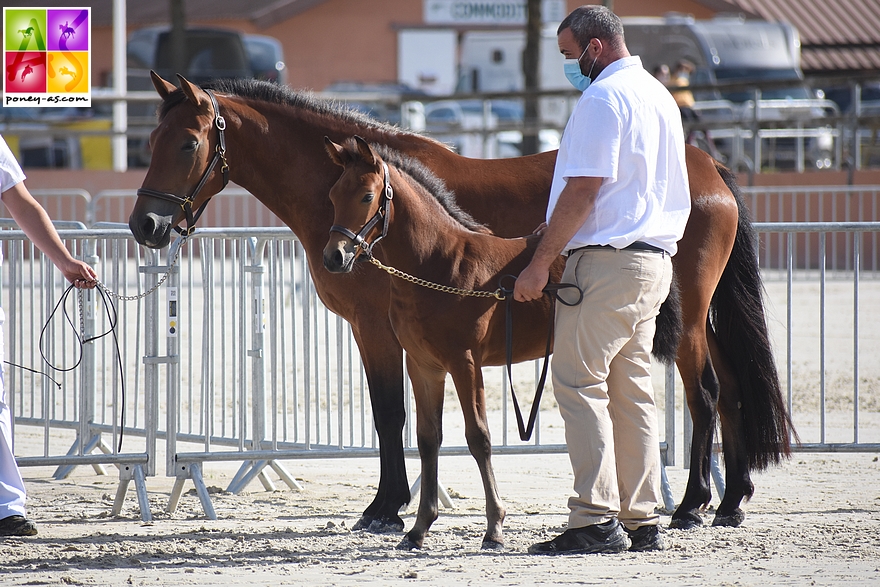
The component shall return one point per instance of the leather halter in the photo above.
(381, 214)
(187, 202)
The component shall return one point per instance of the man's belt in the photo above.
(636, 246)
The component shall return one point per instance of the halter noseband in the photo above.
(219, 155)
(359, 239)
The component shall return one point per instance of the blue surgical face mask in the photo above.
(572, 69)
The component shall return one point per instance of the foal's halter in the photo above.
(187, 202)
(381, 214)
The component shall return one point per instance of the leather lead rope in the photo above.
(551, 289)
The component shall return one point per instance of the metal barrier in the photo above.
(75, 409)
(816, 204)
(234, 206)
(854, 234)
(251, 366)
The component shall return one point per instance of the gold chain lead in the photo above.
(497, 294)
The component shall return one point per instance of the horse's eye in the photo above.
(190, 146)
(368, 198)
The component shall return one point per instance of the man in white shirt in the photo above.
(618, 205)
(33, 220)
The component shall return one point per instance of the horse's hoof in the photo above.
(363, 523)
(686, 521)
(732, 520)
(386, 525)
(407, 544)
(492, 545)
(381, 525)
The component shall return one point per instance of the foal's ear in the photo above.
(162, 86)
(366, 151)
(194, 93)
(337, 152)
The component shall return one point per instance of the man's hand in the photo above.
(80, 274)
(530, 283)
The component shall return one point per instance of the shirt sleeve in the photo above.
(594, 144)
(10, 170)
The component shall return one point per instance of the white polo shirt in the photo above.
(626, 128)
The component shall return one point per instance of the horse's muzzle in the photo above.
(337, 257)
(151, 230)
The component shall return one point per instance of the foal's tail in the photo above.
(737, 316)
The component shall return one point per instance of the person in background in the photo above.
(662, 73)
(619, 203)
(33, 220)
(681, 78)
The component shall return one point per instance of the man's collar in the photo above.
(615, 66)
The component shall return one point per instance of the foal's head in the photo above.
(360, 202)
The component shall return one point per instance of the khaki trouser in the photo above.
(602, 381)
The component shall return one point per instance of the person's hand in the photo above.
(80, 274)
(540, 230)
(530, 283)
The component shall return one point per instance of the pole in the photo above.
(120, 88)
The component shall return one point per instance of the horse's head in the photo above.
(188, 163)
(361, 198)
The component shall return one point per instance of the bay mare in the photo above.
(274, 148)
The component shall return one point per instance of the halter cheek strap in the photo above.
(381, 214)
(219, 156)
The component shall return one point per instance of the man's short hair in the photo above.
(594, 21)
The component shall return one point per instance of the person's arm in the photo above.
(572, 209)
(35, 223)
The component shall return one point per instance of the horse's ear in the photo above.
(366, 151)
(337, 152)
(194, 93)
(162, 86)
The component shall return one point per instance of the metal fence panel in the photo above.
(234, 358)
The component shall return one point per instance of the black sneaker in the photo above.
(17, 526)
(598, 538)
(646, 538)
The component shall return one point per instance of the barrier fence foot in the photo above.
(64, 471)
(195, 470)
(176, 491)
(248, 471)
(666, 490)
(445, 499)
(264, 479)
(191, 471)
(126, 474)
(285, 475)
(717, 475)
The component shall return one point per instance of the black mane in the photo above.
(280, 94)
(426, 179)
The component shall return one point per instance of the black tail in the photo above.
(737, 315)
(667, 337)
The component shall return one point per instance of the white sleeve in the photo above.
(10, 170)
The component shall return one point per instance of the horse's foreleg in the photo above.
(738, 483)
(701, 389)
(428, 389)
(383, 362)
(469, 385)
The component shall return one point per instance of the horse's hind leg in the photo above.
(738, 483)
(701, 390)
(428, 389)
(469, 386)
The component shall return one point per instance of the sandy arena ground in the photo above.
(815, 520)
